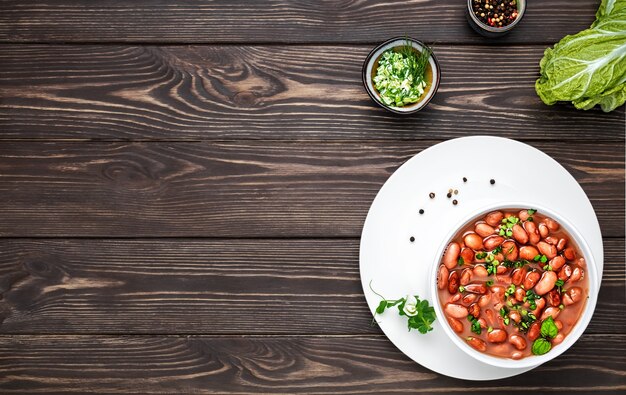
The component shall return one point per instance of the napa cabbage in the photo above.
(588, 68)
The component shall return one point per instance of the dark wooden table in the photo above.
(183, 186)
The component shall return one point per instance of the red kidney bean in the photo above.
(543, 230)
(523, 215)
(455, 298)
(477, 343)
(519, 234)
(455, 310)
(480, 271)
(534, 331)
(468, 255)
(567, 300)
(575, 293)
(561, 244)
(558, 339)
(577, 274)
(469, 298)
(531, 279)
(455, 324)
(484, 300)
(515, 316)
(550, 312)
(518, 275)
(451, 256)
(492, 242)
(547, 249)
(490, 316)
(482, 322)
(498, 292)
(476, 288)
(557, 263)
(559, 324)
(453, 282)
(499, 257)
(474, 310)
(565, 272)
(497, 336)
(466, 276)
(473, 241)
(546, 283)
(554, 298)
(516, 355)
(528, 253)
(581, 262)
(510, 250)
(517, 341)
(501, 269)
(569, 254)
(552, 240)
(494, 218)
(484, 230)
(442, 277)
(533, 233)
(519, 294)
(551, 224)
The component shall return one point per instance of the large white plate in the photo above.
(398, 267)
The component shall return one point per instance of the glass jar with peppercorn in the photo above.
(494, 18)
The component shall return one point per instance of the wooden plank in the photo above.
(223, 287)
(286, 21)
(311, 365)
(273, 92)
(258, 189)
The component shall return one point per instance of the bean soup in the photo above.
(512, 283)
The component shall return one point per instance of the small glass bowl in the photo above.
(490, 31)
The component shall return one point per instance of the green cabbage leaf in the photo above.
(588, 68)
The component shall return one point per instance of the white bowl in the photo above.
(575, 333)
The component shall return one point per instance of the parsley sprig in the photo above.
(420, 313)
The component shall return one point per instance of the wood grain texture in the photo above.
(269, 189)
(344, 365)
(286, 21)
(273, 92)
(236, 287)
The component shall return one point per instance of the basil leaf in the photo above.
(548, 328)
(541, 346)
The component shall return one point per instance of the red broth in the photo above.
(504, 274)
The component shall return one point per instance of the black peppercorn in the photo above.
(449, 195)
(464, 179)
(412, 239)
(432, 195)
(492, 181)
(421, 211)
(455, 202)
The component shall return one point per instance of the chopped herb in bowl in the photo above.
(401, 75)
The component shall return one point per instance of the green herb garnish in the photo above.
(549, 330)
(400, 77)
(475, 324)
(419, 312)
(541, 346)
